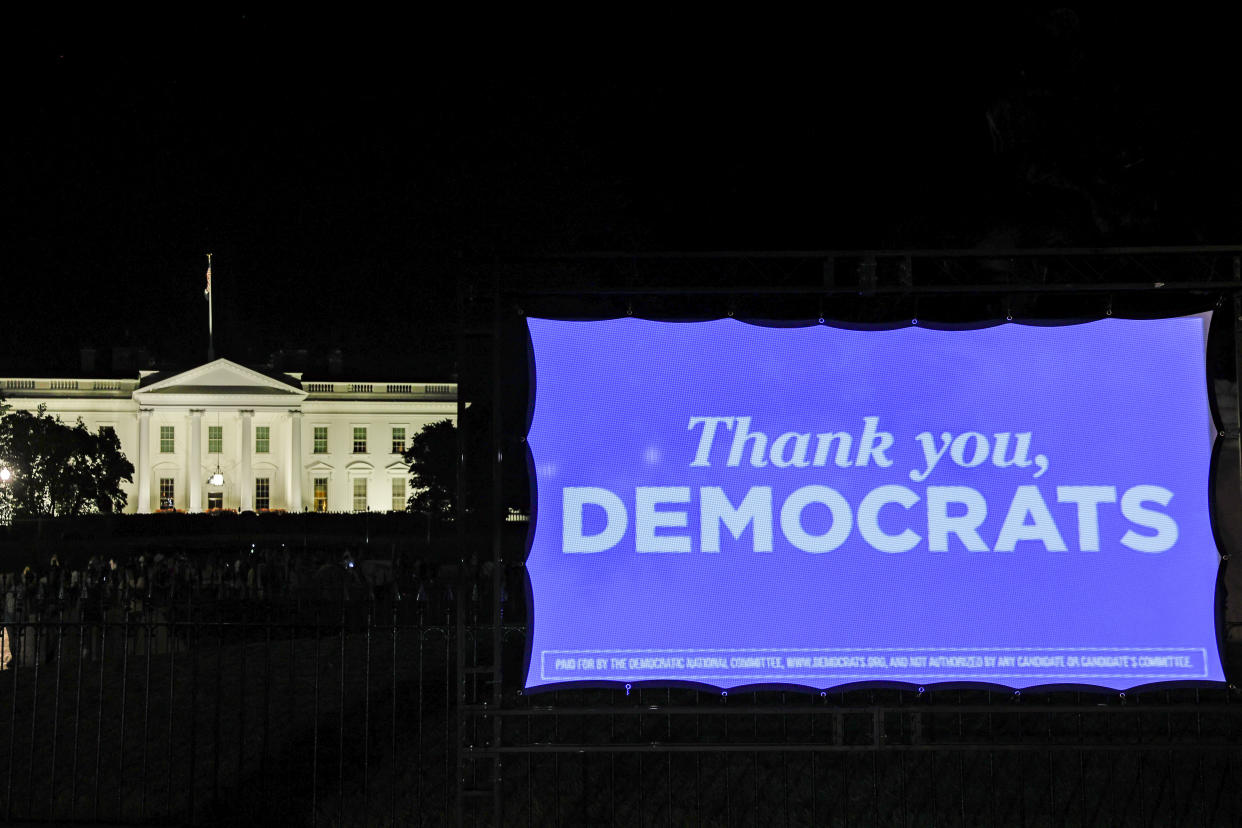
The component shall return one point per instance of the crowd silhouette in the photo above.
(154, 590)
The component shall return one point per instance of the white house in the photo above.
(224, 436)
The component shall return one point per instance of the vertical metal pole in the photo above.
(340, 744)
(784, 762)
(172, 676)
(728, 785)
(267, 702)
(120, 764)
(60, 640)
(77, 714)
(903, 797)
(34, 716)
(459, 518)
(242, 650)
(498, 513)
(14, 665)
(366, 718)
(315, 729)
(448, 720)
(991, 765)
(192, 636)
(103, 659)
(292, 704)
(211, 336)
(1237, 357)
(418, 754)
(814, 776)
(392, 731)
(215, 734)
(1140, 789)
(146, 719)
(1082, 769)
(1231, 690)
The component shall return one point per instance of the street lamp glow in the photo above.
(5, 475)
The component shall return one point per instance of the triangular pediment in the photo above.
(221, 378)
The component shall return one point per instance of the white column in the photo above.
(294, 480)
(194, 462)
(247, 474)
(144, 461)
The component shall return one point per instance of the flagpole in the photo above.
(211, 337)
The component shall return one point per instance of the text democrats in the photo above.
(661, 514)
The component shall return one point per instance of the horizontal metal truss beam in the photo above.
(868, 747)
(915, 253)
(810, 290)
(1007, 709)
(1123, 270)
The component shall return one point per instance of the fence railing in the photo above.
(323, 713)
(345, 713)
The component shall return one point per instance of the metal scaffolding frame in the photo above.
(869, 285)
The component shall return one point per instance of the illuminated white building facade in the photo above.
(224, 436)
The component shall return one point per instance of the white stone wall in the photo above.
(378, 464)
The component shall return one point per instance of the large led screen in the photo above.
(732, 504)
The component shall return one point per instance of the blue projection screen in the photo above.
(731, 504)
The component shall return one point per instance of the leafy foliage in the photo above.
(60, 469)
(433, 454)
(433, 470)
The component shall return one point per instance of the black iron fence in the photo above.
(275, 714)
(346, 713)
(882, 757)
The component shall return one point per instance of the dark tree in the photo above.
(432, 456)
(433, 470)
(60, 469)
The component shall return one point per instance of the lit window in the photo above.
(262, 439)
(360, 494)
(215, 439)
(215, 500)
(321, 494)
(168, 493)
(398, 494)
(262, 493)
(360, 439)
(168, 440)
(321, 440)
(398, 439)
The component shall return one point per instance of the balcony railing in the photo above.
(379, 389)
(75, 387)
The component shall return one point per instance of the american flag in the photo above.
(207, 291)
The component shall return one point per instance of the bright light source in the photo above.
(216, 479)
(5, 475)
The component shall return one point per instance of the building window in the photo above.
(398, 439)
(398, 494)
(262, 439)
(168, 440)
(215, 500)
(215, 439)
(321, 494)
(360, 439)
(168, 493)
(262, 493)
(321, 440)
(360, 494)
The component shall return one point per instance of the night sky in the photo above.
(341, 172)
